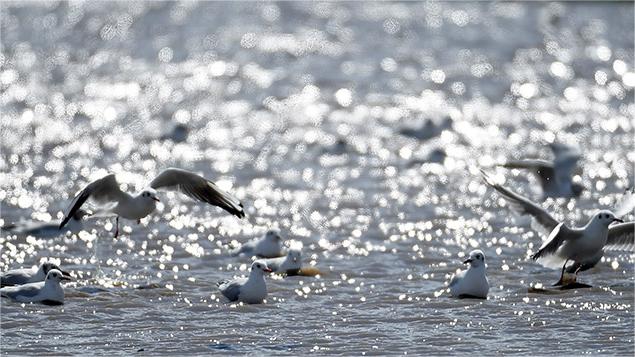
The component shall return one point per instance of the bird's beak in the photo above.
(156, 199)
(468, 260)
(66, 274)
(618, 220)
(66, 277)
(268, 270)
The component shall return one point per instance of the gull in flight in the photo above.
(471, 283)
(289, 264)
(48, 292)
(25, 276)
(584, 246)
(134, 207)
(556, 177)
(46, 229)
(251, 290)
(268, 246)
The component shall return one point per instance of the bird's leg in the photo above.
(560, 282)
(117, 227)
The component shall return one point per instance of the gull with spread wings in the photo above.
(584, 246)
(134, 207)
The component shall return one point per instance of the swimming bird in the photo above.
(25, 276)
(124, 205)
(251, 290)
(556, 177)
(269, 245)
(584, 246)
(289, 264)
(471, 283)
(48, 292)
(47, 229)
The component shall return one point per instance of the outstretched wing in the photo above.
(542, 168)
(546, 255)
(523, 205)
(198, 188)
(621, 237)
(106, 189)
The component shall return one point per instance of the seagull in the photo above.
(555, 176)
(471, 283)
(268, 246)
(124, 205)
(26, 276)
(584, 246)
(289, 264)
(251, 290)
(46, 229)
(48, 292)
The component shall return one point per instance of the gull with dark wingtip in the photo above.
(134, 207)
(584, 246)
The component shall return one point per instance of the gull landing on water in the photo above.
(584, 246)
(121, 204)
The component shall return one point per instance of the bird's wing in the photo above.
(542, 168)
(456, 278)
(621, 237)
(547, 254)
(198, 188)
(231, 289)
(27, 290)
(626, 204)
(106, 189)
(523, 205)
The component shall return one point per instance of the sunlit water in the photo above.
(308, 112)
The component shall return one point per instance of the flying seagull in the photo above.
(555, 176)
(584, 246)
(122, 204)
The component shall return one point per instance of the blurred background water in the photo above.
(356, 128)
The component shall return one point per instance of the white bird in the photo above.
(124, 205)
(251, 290)
(268, 246)
(289, 264)
(471, 283)
(556, 177)
(46, 229)
(584, 246)
(25, 276)
(48, 292)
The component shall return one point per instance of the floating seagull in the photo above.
(268, 246)
(48, 292)
(584, 246)
(289, 264)
(471, 283)
(251, 290)
(25, 276)
(46, 229)
(124, 205)
(556, 177)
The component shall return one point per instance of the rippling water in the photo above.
(309, 113)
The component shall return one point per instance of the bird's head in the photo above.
(46, 267)
(57, 276)
(605, 218)
(273, 235)
(476, 258)
(150, 195)
(294, 255)
(260, 266)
